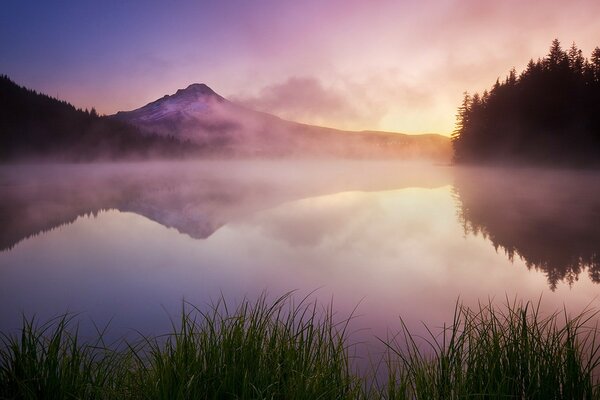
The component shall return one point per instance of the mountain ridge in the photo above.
(199, 115)
(192, 123)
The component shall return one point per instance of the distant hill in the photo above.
(36, 126)
(547, 115)
(194, 122)
(203, 117)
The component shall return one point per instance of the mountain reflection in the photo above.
(196, 198)
(551, 219)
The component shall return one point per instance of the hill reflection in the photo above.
(196, 198)
(551, 219)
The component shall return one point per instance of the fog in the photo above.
(218, 128)
(549, 218)
(127, 242)
(196, 198)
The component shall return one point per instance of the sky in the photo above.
(391, 65)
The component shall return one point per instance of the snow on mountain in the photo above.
(199, 115)
(191, 102)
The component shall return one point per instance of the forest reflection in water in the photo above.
(549, 218)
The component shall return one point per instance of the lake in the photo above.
(125, 244)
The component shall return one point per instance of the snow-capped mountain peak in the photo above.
(198, 89)
(199, 115)
(191, 102)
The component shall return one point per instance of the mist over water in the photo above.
(548, 218)
(127, 243)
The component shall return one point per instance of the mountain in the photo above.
(34, 126)
(222, 128)
(194, 122)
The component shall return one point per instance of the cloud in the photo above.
(320, 62)
(306, 99)
(347, 104)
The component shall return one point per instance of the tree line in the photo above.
(37, 126)
(548, 114)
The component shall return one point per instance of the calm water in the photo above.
(126, 243)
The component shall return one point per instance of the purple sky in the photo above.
(379, 64)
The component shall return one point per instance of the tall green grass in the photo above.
(505, 352)
(258, 350)
(48, 361)
(280, 349)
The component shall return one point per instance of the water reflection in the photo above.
(194, 198)
(121, 243)
(551, 219)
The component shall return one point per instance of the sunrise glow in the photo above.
(386, 65)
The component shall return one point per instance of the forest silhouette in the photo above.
(546, 115)
(37, 126)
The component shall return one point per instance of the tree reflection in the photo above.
(551, 219)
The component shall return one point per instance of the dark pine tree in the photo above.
(548, 114)
(36, 126)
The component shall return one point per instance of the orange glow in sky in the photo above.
(384, 65)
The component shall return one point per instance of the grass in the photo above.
(284, 350)
(506, 352)
(259, 350)
(47, 361)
